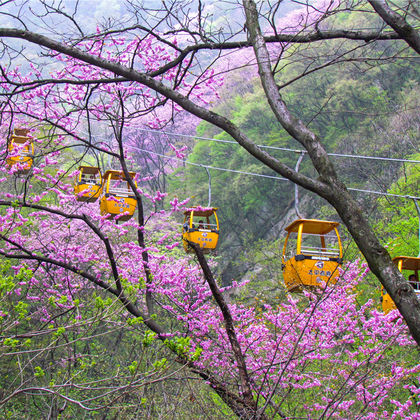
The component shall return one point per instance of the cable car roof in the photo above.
(89, 169)
(117, 174)
(201, 211)
(408, 263)
(317, 227)
(21, 131)
(21, 139)
(20, 136)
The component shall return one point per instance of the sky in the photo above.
(90, 12)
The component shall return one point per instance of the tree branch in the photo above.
(229, 325)
(398, 23)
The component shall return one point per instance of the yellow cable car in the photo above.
(21, 150)
(117, 195)
(201, 226)
(312, 254)
(403, 263)
(88, 184)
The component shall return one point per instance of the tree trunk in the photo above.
(335, 193)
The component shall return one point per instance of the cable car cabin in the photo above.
(411, 267)
(117, 197)
(201, 226)
(312, 254)
(21, 150)
(88, 184)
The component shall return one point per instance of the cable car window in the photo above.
(204, 223)
(89, 179)
(118, 186)
(291, 246)
(325, 245)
